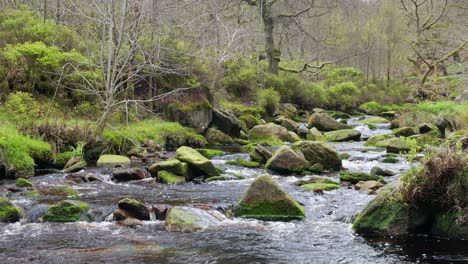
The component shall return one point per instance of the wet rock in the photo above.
(9, 213)
(199, 164)
(113, 161)
(227, 122)
(343, 135)
(355, 177)
(65, 211)
(174, 166)
(120, 215)
(268, 132)
(190, 219)
(216, 137)
(319, 185)
(64, 191)
(210, 153)
(130, 222)
(396, 145)
(302, 130)
(368, 186)
(133, 174)
(381, 172)
(286, 160)
(405, 131)
(374, 140)
(161, 210)
(134, 209)
(319, 152)
(170, 178)
(22, 183)
(324, 122)
(260, 154)
(265, 200)
(80, 165)
(315, 135)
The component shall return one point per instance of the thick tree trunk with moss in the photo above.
(272, 52)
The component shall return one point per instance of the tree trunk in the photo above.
(272, 52)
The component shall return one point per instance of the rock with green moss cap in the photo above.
(78, 166)
(286, 160)
(405, 131)
(22, 182)
(243, 163)
(396, 145)
(374, 140)
(315, 135)
(65, 211)
(289, 124)
(113, 161)
(190, 219)
(210, 153)
(269, 132)
(170, 178)
(195, 114)
(319, 152)
(260, 154)
(293, 137)
(324, 122)
(357, 176)
(199, 165)
(174, 166)
(373, 121)
(9, 213)
(134, 209)
(320, 186)
(216, 137)
(381, 172)
(249, 120)
(265, 200)
(343, 135)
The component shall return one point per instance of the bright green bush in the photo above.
(343, 96)
(269, 99)
(21, 107)
(346, 74)
(240, 77)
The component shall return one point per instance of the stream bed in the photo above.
(324, 236)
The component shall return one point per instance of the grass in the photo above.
(427, 112)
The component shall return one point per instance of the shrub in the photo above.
(21, 107)
(269, 99)
(343, 96)
(240, 77)
(346, 74)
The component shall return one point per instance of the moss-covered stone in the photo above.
(260, 154)
(134, 209)
(243, 163)
(315, 135)
(268, 132)
(396, 145)
(80, 165)
(373, 141)
(113, 161)
(250, 120)
(343, 135)
(190, 219)
(324, 122)
(195, 114)
(65, 211)
(319, 186)
(21, 182)
(405, 131)
(449, 224)
(170, 178)
(210, 153)
(286, 160)
(373, 121)
(293, 137)
(216, 137)
(265, 200)
(316, 168)
(174, 166)
(355, 177)
(319, 152)
(62, 158)
(390, 160)
(9, 212)
(201, 165)
(289, 124)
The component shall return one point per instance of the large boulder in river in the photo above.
(197, 162)
(265, 200)
(9, 212)
(374, 140)
(269, 132)
(396, 145)
(324, 122)
(65, 211)
(227, 122)
(216, 137)
(113, 161)
(357, 176)
(170, 178)
(174, 166)
(319, 152)
(286, 160)
(191, 219)
(343, 135)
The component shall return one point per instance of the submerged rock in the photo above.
(9, 212)
(134, 209)
(265, 200)
(65, 211)
(286, 160)
(343, 135)
(190, 219)
(201, 165)
(113, 161)
(319, 152)
(133, 174)
(324, 122)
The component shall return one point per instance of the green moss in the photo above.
(218, 178)
(8, 212)
(33, 194)
(21, 182)
(373, 121)
(65, 211)
(243, 163)
(173, 166)
(390, 160)
(240, 109)
(239, 176)
(113, 160)
(374, 140)
(190, 106)
(249, 120)
(210, 153)
(448, 224)
(65, 190)
(345, 156)
(170, 178)
(264, 142)
(355, 177)
(62, 158)
(321, 186)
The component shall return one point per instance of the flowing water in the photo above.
(324, 236)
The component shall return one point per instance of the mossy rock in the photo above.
(324, 122)
(355, 177)
(134, 209)
(289, 124)
(216, 137)
(65, 211)
(195, 114)
(250, 120)
(174, 166)
(210, 153)
(405, 131)
(286, 160)
(9, 213)
(62, 158)
(113, 161)
(448, 224)
(319, 152)
(396, 145)
(21, 182)
(170, 178)
(225, 178)
(189, 219)
(243, 163)
(80, 165)
(373, 121)
(374, 140)
(319, 186)
(293, 137)
(265, 200)
(343, 135)
(316, 168)
(390, 160)
(315, 135)
(268, 132)
(201, 165)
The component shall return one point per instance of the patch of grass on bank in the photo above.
(427, 112)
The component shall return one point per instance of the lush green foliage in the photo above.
(343, 96)
(21, 107)
(269, 99)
